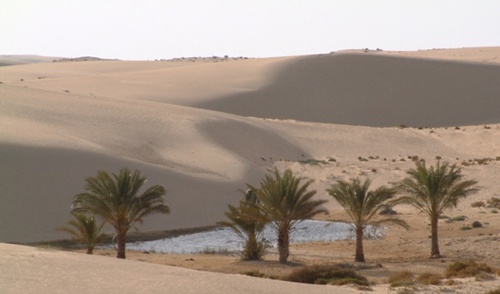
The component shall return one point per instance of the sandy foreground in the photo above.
(204, 128)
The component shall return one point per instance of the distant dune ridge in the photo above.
(197, 127)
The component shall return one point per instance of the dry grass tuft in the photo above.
(326, 274)
(429, 279)
(467, 269)
(494, 291)
(401, 279)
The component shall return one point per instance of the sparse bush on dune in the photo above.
(478, 204)
(429, 279)
(464, 269)
(494, 291)
(326, 274)
(401, 279)
(493, 202)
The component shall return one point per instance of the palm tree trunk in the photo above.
(283, 243)
(360, 256)
(90, 249)
(122, 239)
(251, 247)
(434, 238)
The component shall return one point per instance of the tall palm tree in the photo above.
(362, 206)
(115, 198)
(432, 190)
(284, 201)
(248, 225)
(84, 229)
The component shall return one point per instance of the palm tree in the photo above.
(115, 198)
(283, 202)
(84, 229)
(362, 206)
(246, 223)
(432, 190)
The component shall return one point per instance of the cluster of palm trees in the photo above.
(283, 200)
(116, 200)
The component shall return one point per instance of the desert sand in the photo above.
(203, 128)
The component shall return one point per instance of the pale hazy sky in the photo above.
(161, 29)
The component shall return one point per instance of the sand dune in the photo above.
(204, 129)
(374, 90)
(62, 122)
(33, 270)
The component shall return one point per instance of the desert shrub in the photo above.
(493, 202)
(482, 161)
(313, 161)
(494, 291)
(478, 204)
(466, 269)
(494, 211)
(429, 279)
(476, 224)
(460, 218)
(326, 274)
(362, 158)
(414, 158)
(465, 228)
(399, 279)
(482, 276)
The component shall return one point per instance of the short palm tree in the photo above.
(84, 229)
(115, 198)
(284, 201)
(362, 206)
(432, 190)
(246, 223)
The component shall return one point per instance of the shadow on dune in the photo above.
(38, 184)
(374, 90)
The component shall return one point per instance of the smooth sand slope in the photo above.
(38, 271)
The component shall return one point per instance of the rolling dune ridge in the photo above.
(203, 129)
